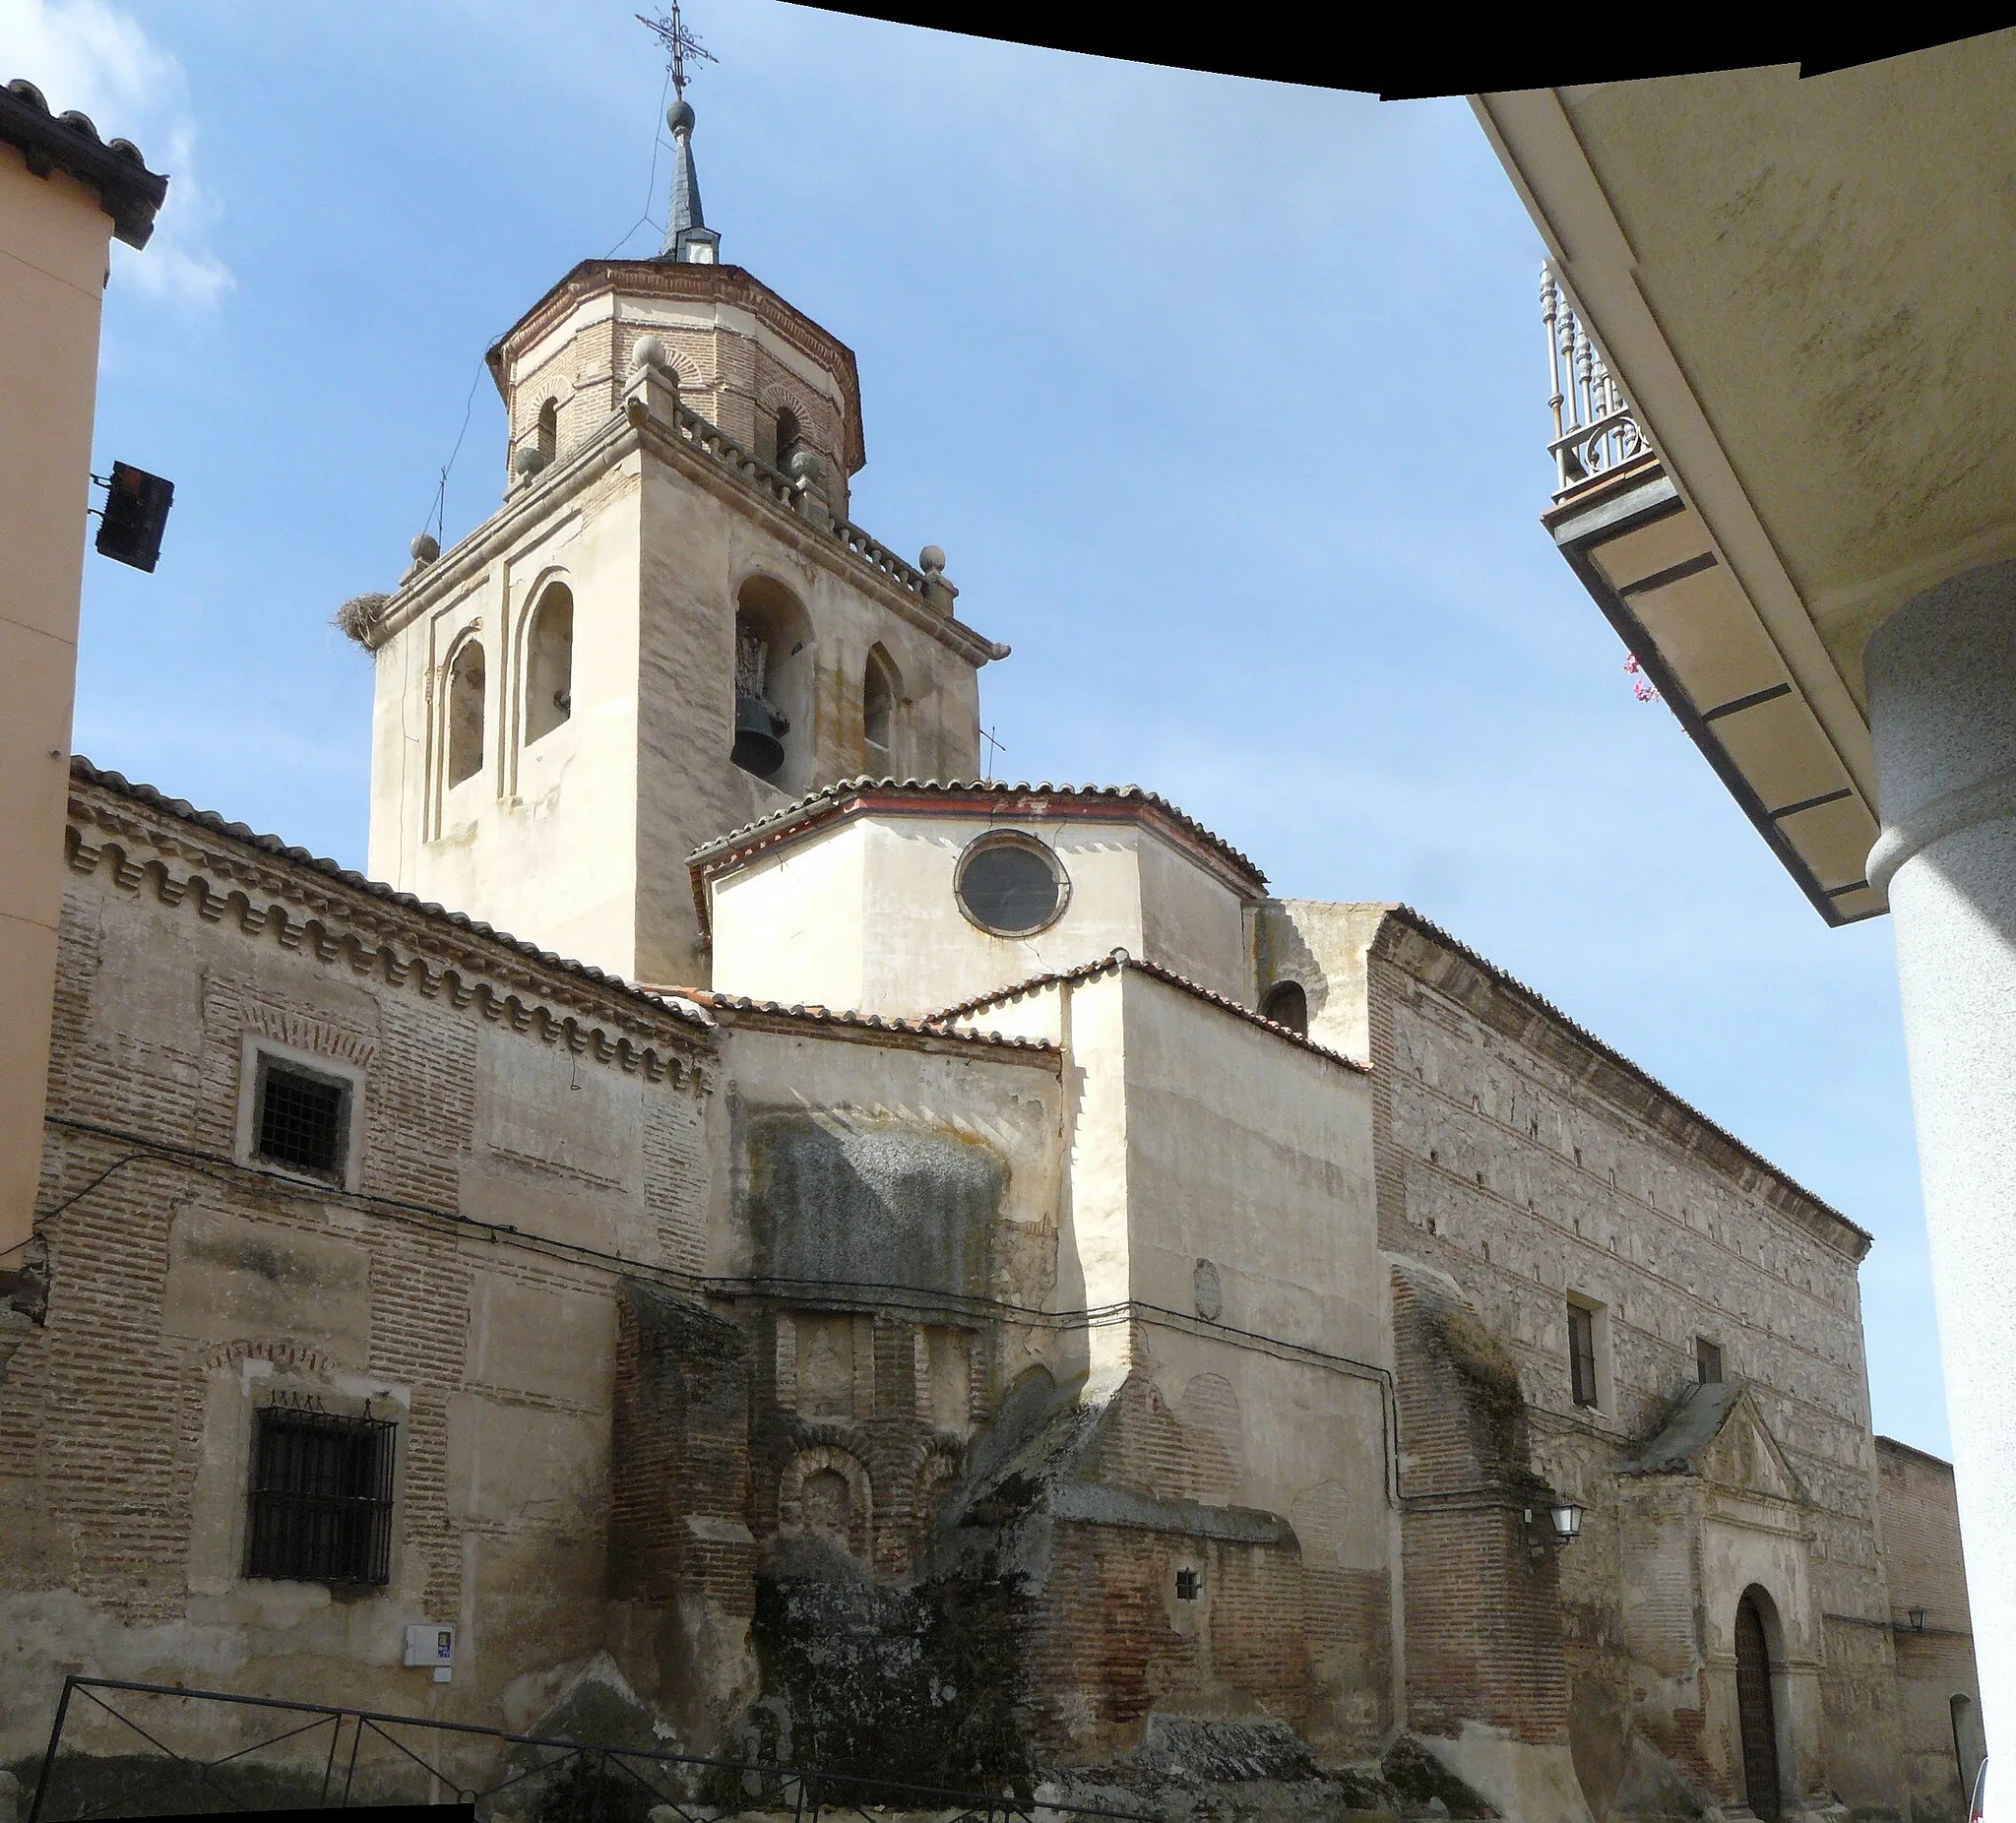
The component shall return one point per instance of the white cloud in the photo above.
(95, 57)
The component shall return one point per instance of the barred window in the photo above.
(303, 1119)
(321, 1497)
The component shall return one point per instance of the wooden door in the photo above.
(1758, 1721)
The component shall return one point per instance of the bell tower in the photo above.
(670, 626)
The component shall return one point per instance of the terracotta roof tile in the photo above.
(1118, 960)
(718, 1003)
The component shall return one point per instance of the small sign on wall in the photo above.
(429, 1644)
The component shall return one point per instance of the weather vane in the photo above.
(670, 31)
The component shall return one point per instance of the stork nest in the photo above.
(354, 617)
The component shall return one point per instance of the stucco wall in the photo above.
(790, 925)
(53, 242)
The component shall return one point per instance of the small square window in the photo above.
(321, 1497)
(1189, 1585)
(1706, 1362)
(301, 1119)
(1581, 1354)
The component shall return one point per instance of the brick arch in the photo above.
(828, 1458)
(936, 1471)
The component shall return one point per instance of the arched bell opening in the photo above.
(774, 676)
(467, 685)
(1756, 1626)
(790, 437)
(546, 433)
(1288, 1004)
(549, 663)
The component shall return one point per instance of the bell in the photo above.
(757, 748)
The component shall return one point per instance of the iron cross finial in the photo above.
(670, 31)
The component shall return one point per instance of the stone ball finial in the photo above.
(527, 461)
(679, 116)
(424, 548)
(650, 351)
(931, 560)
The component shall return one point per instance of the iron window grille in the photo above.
(1581, 1354)
(303, 1119)
(1189, 1585)
(321, 1497)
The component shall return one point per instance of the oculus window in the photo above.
(1011, 886)
(321, 1497)
(302, 1120)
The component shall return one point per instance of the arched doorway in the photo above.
(1756, 1717)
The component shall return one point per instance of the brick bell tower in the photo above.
(669, 628)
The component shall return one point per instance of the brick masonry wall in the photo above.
(120, 1413)
(1940, 1689)
(1498, 1162)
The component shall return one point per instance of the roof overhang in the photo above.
(1807, 292)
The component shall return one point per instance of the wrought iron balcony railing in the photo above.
(1594, 430)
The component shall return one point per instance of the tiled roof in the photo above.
(1118, 960)
(1427, 927)
(732, 1005)
(127, 190)
(805, 810)
(183, 812)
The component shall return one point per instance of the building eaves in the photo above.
(739, 1009)
(1861, 1240)
(128, 191)
(1112, 965)
(683, 1008)
(1893, 1447)
(834, 800)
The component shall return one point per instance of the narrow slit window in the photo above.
(303, 1119)
(1706, 1362)
(320, 1497)
(1581, 1354)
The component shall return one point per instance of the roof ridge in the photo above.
(785, 814)
(845, 1016)
(1119, 959)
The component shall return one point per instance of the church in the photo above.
(891, 1270)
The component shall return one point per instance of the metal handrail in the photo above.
(809, 1793)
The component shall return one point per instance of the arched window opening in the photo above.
(790, 437)
(549, 664)
(465, 682)
(878, 707)
(1966, 1755)
(1288, 1004)
(549, 434)
(1756, 1713)
(773, 698)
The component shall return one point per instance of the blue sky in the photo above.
(1226, 401)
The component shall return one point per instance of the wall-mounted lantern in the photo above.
(1916, 1617)
(1553, 1526)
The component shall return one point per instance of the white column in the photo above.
(1942, 705)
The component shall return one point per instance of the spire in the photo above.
(689, 238)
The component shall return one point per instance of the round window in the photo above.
(1011, 886)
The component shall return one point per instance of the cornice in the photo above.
(619, 438)
(312, 908)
